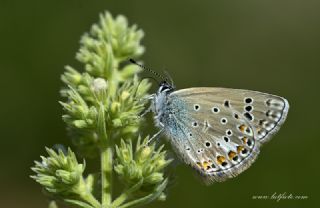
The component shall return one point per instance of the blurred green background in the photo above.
(271, 46)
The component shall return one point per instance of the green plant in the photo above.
(101, 107)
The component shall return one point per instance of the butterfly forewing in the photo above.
(265, 112)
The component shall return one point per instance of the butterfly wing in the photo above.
(212, 132)
(265, 112)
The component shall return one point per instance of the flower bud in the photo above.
(142, 164)
(162, 197)
(125, 95)
(146, 151)
(58, 173)
(99, 85)
(71, 76)
(154, 178)
(116, 122)
(115, 106)
(143, 154)
(80, 124)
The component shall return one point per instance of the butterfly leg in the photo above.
(145, 111)
(150, 97)
(155, 136)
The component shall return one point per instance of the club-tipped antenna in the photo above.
(169, 78)
(149, 70)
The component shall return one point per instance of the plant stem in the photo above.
(91, 200)
(106, 154)
(125, 195)
(106, 176)
(147, 199)
(88, 197)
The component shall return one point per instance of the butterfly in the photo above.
(217, 131)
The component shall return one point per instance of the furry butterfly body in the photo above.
(217, 131)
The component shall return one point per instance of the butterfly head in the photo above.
(165, 87)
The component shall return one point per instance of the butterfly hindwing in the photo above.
(219, 145)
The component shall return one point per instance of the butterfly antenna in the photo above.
(149, 70)
(169, 78)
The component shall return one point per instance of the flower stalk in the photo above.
(106, 176)
(102, 104)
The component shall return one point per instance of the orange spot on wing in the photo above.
(245, 140)
(232, 154)
(221, 159)
(242, 128)
(205, 165)
(240, 148)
